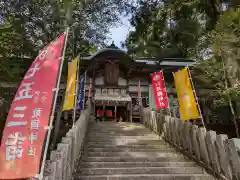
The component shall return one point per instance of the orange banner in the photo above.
(71, 85)
(28, 119)
(188, 106)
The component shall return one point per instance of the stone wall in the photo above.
(63, 160)
(218, 154)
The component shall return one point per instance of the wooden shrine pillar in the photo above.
(94, 90)
(115, 110)
(130, 112)
(205, 109)
(65, 115)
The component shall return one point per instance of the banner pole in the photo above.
(54, 107)
(196, 98)
(76, 92)
(169, 108)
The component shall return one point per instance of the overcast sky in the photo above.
(119, 33)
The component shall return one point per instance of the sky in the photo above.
(117, 34)
(120, 32)
(1, 19)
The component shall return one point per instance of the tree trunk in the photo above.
(226, 75)
(212, 8)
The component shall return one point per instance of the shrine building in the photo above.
(116, 77)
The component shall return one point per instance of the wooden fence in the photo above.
(218, 154)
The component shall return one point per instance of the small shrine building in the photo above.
(116, 77)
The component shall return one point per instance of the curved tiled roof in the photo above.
(106, 50)
(178, 62)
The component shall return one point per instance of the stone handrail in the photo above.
(61, 165)
(218, 154)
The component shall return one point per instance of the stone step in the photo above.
(111, 133)
(134, 164)
(128, 141)
(125, 134)
(147, 137)
(120, 149)
(122, 132)
(141, 170)
(120, 124)
(133, 154)
(105, 129)
(146, 177)
(116, 124)
(136, 159)
(121, 129)
(140, 146)
(121, 143)
(118, 129)
(123, 139)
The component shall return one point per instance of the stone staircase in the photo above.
(128, 151)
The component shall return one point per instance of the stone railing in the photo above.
(218, 154)
(62, 162)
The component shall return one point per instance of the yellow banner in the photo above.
(71, 85)
(188, 106)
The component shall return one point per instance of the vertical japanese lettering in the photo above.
(24, 92)
(19, 114)
(162, 104)
(33, 137)
(36, 97)
(36, 112)
(35, 124)
(14, 148)
(32, 151)
(31, 72)
(44, 97)
(160, 93)
(158, 88)
(42, 54)
(14, 124)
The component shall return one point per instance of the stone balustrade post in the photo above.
(61, 165)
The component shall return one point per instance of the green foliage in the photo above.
(209, 74)
(29, 25)
(179, 25)
(222, 71)
(192, 27)
(225, 44)
(220, 102)
(174, 25)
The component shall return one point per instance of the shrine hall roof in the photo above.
(141, 60)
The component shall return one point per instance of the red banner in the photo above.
(159, 90)
(28, 118)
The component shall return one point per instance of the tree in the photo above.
(169, 26)
(193, 28)
(29, 25)
(43, 20)
(179, 25)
